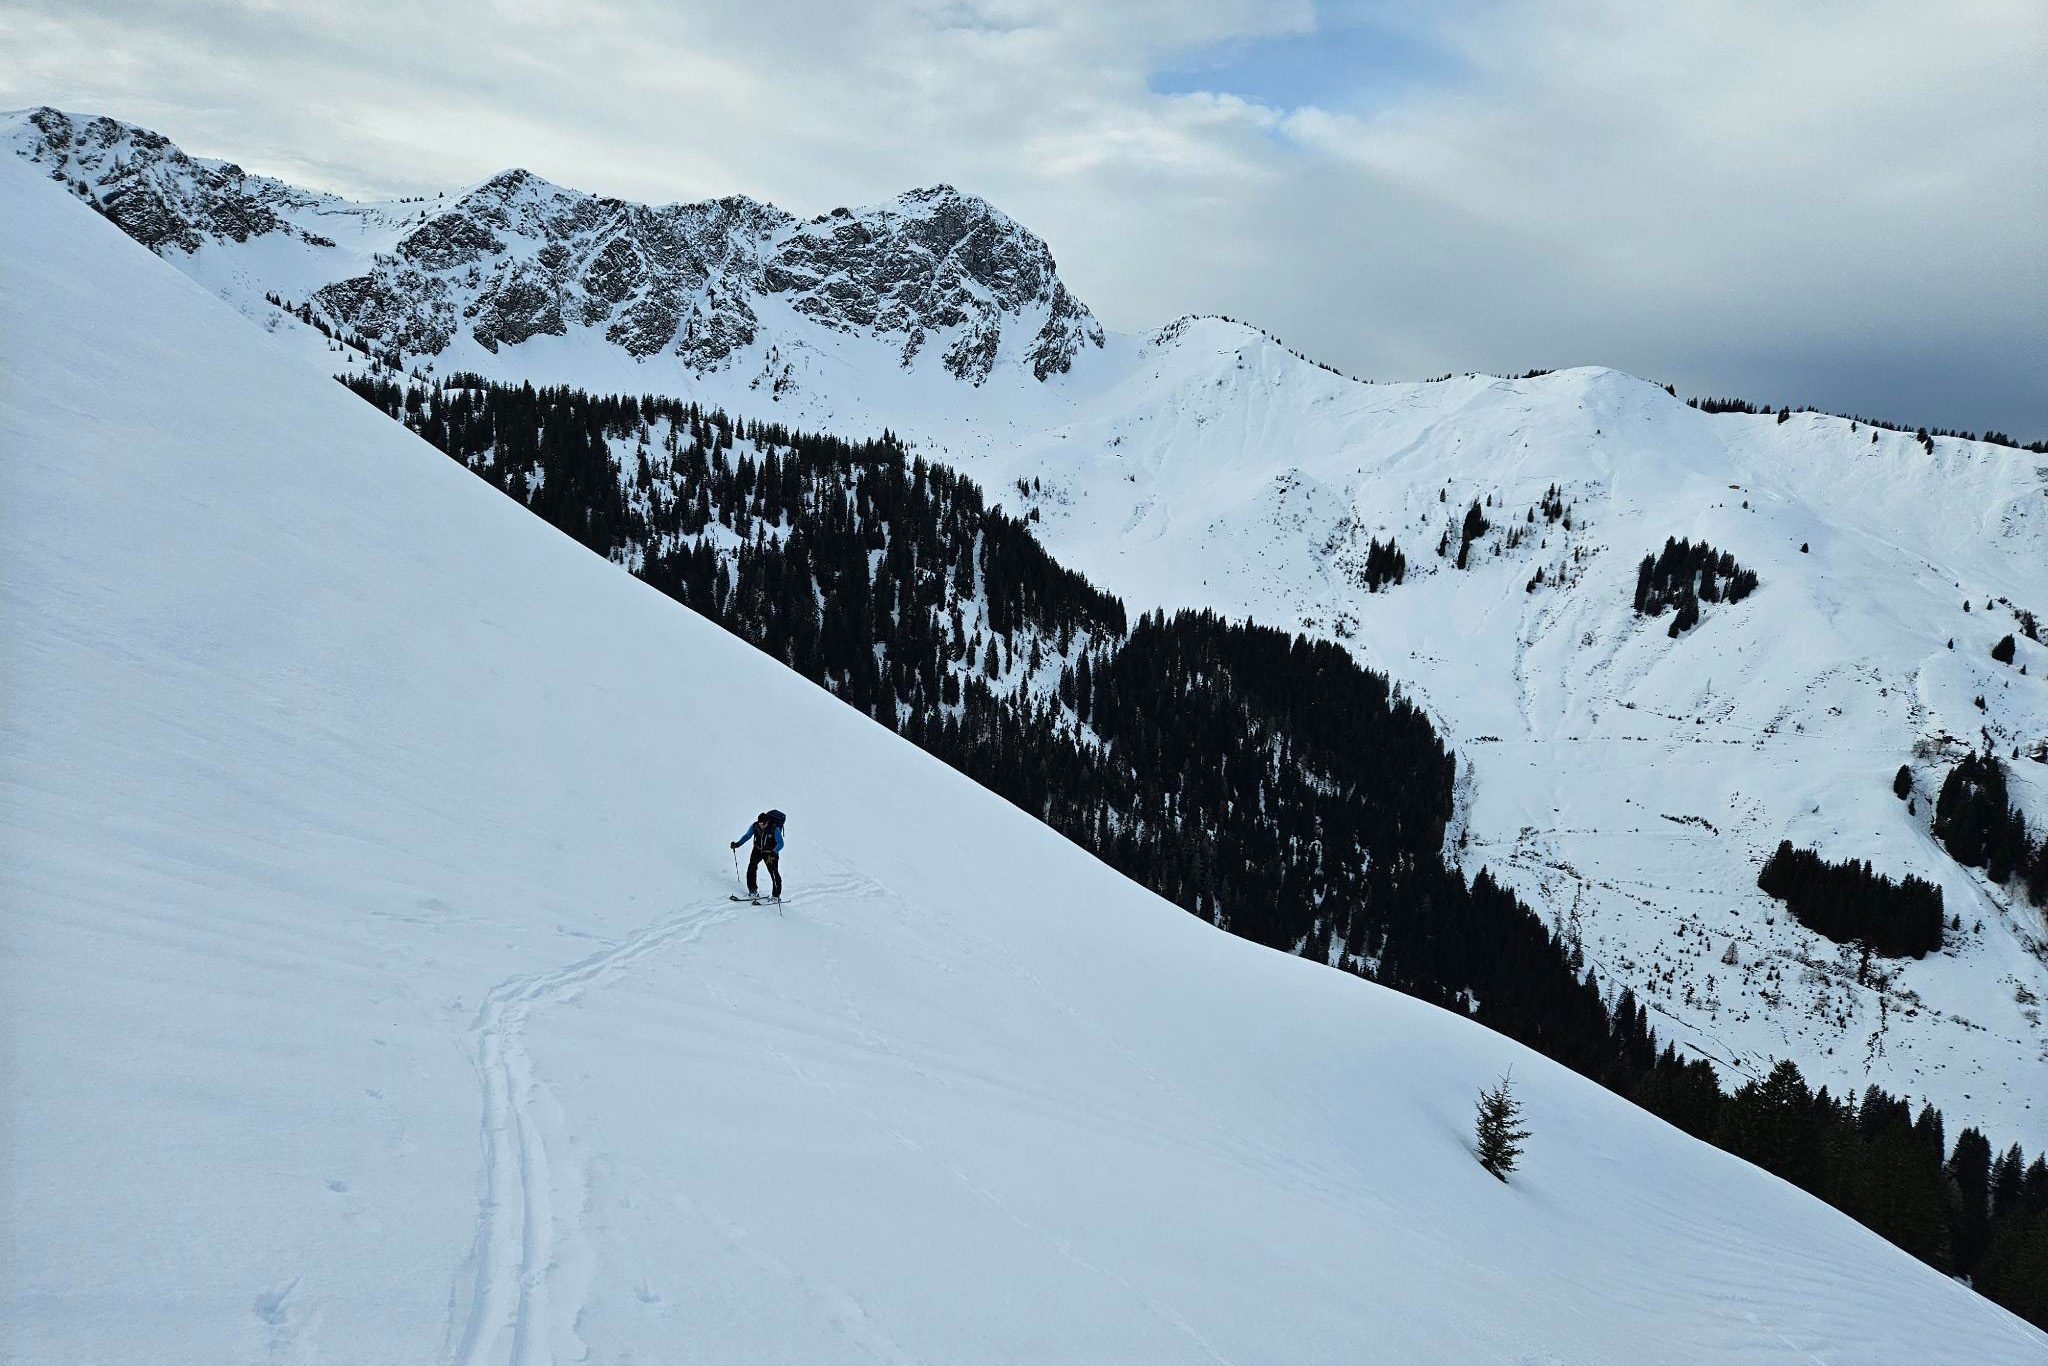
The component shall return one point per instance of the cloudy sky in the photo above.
(1837, 202)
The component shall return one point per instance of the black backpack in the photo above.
(765, 826)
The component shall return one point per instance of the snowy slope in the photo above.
(372, 993)
(1627, 784)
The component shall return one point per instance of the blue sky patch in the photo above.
(1348, 65)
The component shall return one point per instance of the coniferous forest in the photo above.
(1849, 903)
(1264, 782)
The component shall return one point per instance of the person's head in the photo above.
(761, 819)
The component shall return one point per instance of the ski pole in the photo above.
(735, 865)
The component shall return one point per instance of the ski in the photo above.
(756, 900)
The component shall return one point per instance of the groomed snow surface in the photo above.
(371, 992)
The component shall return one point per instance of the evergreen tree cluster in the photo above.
(1849, 903)
(1977, 823)
(1471, 529)
(1725, 405)
(1260, 780)
(1878, 1161)
(1384, 565)
(1684, 575)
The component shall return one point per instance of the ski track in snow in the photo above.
(527, 1238)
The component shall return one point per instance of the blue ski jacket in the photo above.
(747, 836)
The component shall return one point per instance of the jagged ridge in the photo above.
(518, 257)
(151, 189)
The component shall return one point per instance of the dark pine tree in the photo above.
(1499, 1137)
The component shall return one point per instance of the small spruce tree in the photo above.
(1499, 1140)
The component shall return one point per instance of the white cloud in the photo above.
(1830, 202)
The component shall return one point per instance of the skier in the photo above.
(766, 833)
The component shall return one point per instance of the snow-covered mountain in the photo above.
(936, 276)
(372, 992)
(1626, 782)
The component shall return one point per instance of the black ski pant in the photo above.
(774, 862)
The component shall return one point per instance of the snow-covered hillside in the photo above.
(1627, 783)
(372, 992)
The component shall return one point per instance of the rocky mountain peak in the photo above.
(692, 279)
(149, 187)
(933, 271)
(933, 261)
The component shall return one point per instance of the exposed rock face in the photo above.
(532, 258)
(1069, 328)
(154, 192)
(934, 261)
(518, 257)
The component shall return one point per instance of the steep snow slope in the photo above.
(372, 993)
(1627, 783)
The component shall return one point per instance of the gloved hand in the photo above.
(734, 845)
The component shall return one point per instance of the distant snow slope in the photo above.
(1628, 784)
(371, 992)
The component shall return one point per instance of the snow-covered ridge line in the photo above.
(933, 271)
(1171, 331)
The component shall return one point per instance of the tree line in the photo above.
(1924, 435)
